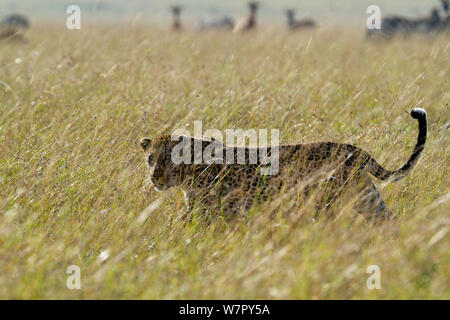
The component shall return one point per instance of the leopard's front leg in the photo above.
(200, 200)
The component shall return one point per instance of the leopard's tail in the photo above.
(381, 173)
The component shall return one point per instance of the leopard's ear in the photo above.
(145, 143)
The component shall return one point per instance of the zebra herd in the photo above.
(438, 21)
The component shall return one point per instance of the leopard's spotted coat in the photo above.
(328, 167)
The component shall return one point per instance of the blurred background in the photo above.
(156, 11)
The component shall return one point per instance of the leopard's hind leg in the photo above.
(370, 202)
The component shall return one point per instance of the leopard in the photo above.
(230, 189)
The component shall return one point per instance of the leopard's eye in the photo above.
(150, 159)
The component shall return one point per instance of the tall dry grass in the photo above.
(74, 105)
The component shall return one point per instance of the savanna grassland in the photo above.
(74, 105)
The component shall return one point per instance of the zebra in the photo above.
(217, 23)
(428, 24)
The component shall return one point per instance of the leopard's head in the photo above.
(165, 170)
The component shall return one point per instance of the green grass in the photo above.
(75, 104)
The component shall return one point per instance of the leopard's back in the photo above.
(237, 187)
